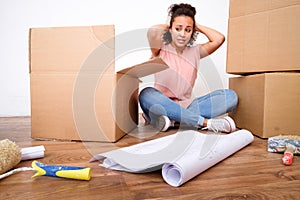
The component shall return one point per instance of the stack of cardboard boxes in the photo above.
(264, 48)
(75, 92)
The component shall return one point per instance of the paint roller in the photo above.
(289, 145)
(11, 155)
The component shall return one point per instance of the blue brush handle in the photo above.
(79, 173)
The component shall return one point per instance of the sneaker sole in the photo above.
(162, 124)
(231, 123)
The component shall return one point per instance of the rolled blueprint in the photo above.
(181, 156)
(214, 148)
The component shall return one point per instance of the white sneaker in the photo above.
(163, 123)
(225, 124)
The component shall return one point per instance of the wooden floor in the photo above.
(251, 173)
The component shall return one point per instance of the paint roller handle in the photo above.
(288, 155)
(71, 172)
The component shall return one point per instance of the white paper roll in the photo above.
(211, 150)
(181, 156)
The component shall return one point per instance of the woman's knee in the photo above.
(146, 92)
(232, 98)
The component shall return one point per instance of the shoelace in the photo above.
(217, 125)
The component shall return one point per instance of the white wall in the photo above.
(17, 16)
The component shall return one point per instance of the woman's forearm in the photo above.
(211, 34)
(215, 38)
(154, 35)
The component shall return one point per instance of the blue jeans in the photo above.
(216, 103)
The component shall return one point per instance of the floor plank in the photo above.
(252, 173)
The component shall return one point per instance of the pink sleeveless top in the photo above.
(178, 81)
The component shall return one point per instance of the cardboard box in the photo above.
(75, 92)
(268, 103)
(263, 36)
(246, 7)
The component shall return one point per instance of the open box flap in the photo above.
(144, 69)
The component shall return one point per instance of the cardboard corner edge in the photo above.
(29, 48)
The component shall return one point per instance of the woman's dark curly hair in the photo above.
(182, 9)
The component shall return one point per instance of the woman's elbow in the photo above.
(221, 39)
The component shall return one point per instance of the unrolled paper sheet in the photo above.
(181, 156)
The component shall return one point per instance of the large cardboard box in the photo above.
(263, 36)
(75, 92)
(268, 103)
(246, 7)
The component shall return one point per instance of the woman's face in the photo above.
(181, 31)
